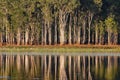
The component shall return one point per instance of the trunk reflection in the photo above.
(61, 67)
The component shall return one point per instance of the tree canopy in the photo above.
(51, 22)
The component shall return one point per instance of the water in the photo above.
(59, 67)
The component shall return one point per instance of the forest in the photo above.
(64, 22)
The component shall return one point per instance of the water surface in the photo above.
(59, 67)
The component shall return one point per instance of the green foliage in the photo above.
(46, 9)
(98, 2)
(111, 23)
(102, 27)
(66, 5)
(33, 14)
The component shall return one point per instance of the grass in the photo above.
(115, 49)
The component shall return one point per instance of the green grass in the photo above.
(59, 49)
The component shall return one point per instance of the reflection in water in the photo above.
(29, 67)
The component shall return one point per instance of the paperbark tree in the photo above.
(59, 22)
(110, 24)
(64, 7)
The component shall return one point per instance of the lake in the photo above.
(55, 66)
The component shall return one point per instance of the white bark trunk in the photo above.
(55, 37)
(109, 37)
(70, 25)
(74, 30)
(90, 17)
(62, 24)
(78, 35)
(18, 36)
(84, 31)
(45, 33)
(49, 33)
(96, 35)
(26, 36)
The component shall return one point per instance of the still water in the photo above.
(59, 67)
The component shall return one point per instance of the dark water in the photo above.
(59, 67)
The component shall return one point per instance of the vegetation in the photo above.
(61, 49)
(52, 22)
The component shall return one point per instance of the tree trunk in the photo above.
(74, 31)
(70, 25)
(6, 35)
(42, 34)
(100, 42)
(90, 17)
(23, 40)
(1, 38)
(18, 36)
(109, 37)
(84, 31)
(62, 37)
(49, 32)
(32, 34)
(78, 35)
(26, 36)
(6, 28)
(96, 35)
(55, 36)
(89, 33)
(11, 38)
(79, 30)
(62, 24)
(45, 33)
(37, 36)
(115, 38)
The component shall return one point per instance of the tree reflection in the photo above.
(22, 67)
(62, 72)
(89, 72)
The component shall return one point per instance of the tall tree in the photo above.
(47, 16)
(110, 24)
(64, 7)
(59, 21)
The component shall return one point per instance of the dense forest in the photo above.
(51, 22)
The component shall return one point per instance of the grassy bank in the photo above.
(65, 48)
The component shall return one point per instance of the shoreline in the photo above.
(62, 48)
(57, 46)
